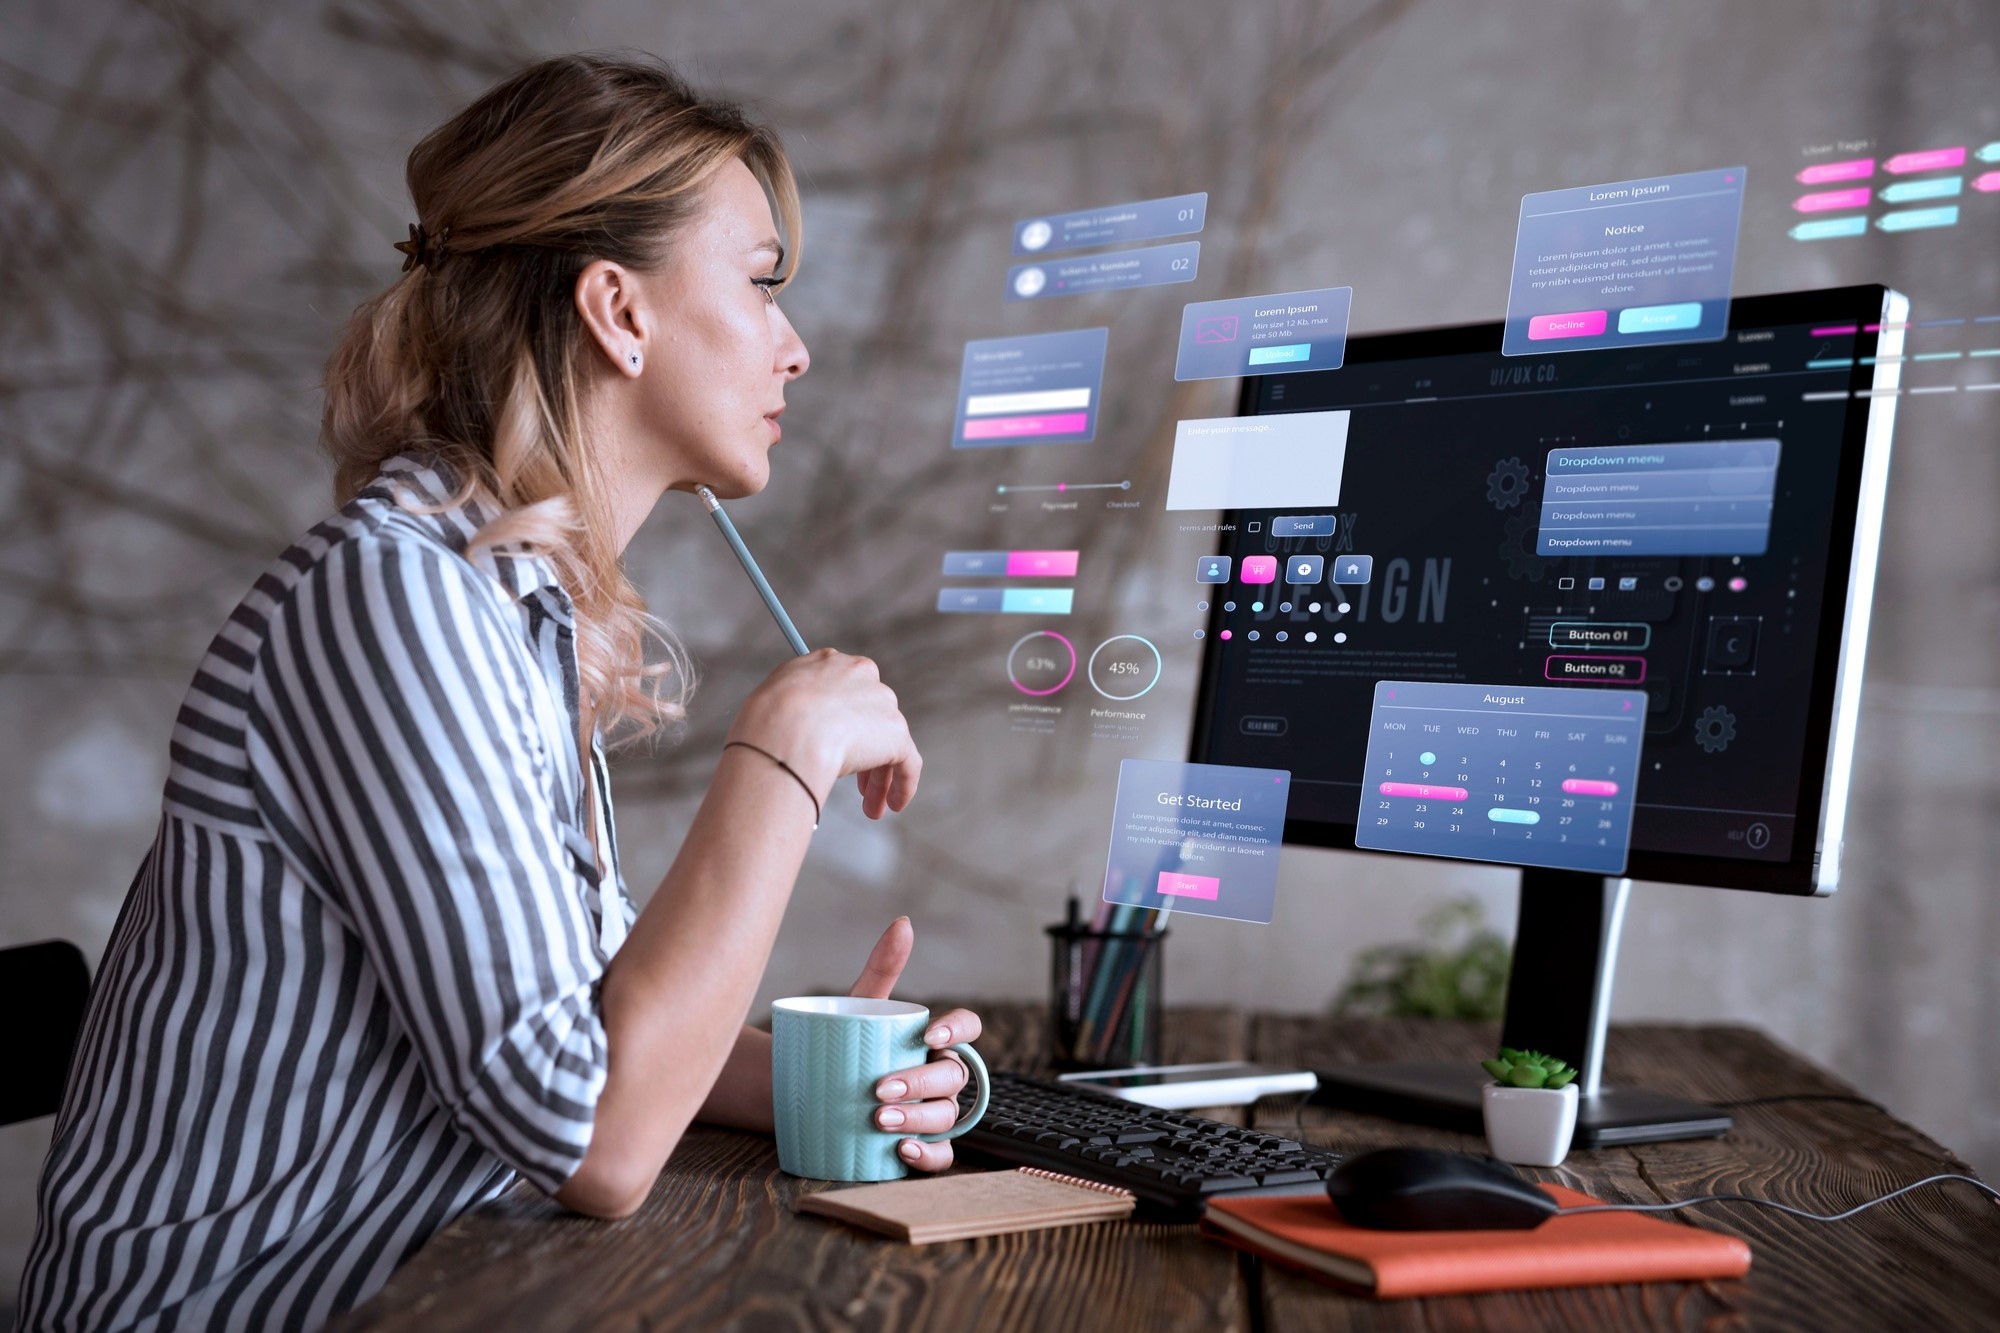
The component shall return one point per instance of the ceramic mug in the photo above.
(827, 1054)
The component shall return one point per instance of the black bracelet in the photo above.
(804, 786)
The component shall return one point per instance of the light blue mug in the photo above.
(827, 1054)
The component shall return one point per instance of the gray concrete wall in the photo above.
(191, 198)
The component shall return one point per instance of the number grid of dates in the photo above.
(1525, 775)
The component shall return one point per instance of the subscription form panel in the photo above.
(1041, 388)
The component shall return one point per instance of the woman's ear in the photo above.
(609, 303)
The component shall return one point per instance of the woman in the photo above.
(379, 961)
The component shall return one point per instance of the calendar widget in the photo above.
(1527, 775)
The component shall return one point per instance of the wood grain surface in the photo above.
(719, 1245)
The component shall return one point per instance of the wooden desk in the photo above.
(718, 1244)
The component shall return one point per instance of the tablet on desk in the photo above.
(1175, 1087)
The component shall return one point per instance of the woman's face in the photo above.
(716, 351)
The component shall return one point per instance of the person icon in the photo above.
(1036, 234)
(1029, 282)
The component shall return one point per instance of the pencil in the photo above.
(749, 563)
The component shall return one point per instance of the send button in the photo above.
(1660, 318)
(1270, 356)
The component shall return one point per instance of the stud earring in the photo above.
(634, 359)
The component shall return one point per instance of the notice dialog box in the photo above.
(1627, 264)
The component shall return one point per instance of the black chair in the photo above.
(43, 988)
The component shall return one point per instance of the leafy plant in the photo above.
(1458, 970)
(1530, 1069)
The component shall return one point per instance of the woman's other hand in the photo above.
(926, 1097)
(828, 714)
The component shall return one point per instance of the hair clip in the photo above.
(422, 247)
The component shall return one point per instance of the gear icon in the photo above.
(1507, 483)
(1518, 551)
(1715, 729)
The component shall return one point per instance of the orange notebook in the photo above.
(1306, 1233)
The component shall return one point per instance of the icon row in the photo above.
(1299, 569)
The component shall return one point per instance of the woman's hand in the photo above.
(827, 715)
(926, 1097)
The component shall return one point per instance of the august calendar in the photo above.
(1527, 774)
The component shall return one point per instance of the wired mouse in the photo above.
(1427, 1189)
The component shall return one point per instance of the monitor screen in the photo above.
(1677, 520)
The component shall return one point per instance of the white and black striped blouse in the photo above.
(353, 988)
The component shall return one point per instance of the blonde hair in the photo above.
(478, 354)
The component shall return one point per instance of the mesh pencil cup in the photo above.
(1105, 1003)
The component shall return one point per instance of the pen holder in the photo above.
(1105, 1005)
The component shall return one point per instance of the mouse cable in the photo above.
(1769, 1203)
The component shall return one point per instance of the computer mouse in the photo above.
(1427, 1189)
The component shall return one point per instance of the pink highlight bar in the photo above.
(1589, 787)
(994, 428)
(1931, 159)
(1828, 200)
(1176, 885)
(1988, 183)
(1041, 564)
(1574, 324)
(1423, 791)
(1835, 330)
(1854, 169)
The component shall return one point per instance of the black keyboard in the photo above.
(1174, 1162)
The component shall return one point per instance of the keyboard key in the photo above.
(1294, 1176)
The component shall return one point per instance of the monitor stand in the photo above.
(1558, 999)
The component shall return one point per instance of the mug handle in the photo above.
(977, 1068)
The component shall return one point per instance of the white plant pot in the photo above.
(1529, 1126)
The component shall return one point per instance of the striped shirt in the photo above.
(353, 989)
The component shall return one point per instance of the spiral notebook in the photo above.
(972, 1203)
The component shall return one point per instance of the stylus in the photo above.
(749, 563)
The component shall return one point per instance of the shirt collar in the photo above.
(522, 572)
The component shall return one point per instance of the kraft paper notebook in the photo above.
(983, 1203)
(1589, 1250)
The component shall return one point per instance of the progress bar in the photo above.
(1069, 486)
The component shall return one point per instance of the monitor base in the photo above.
(1446, 1094)
(1558, 1001)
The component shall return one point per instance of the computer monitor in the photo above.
(1744, 629)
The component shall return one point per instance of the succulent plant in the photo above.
(1529, 1069)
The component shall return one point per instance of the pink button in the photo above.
(996, 428)
(1594, 666)
(1826, 200)
(1575, 324)
(1854, 169)
(1423, 791)
(1589, 787)
(1260, 569)
(1041, 564)
(1178, 885)
(1931, 159)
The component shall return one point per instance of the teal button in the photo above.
(1660, 318)
(1036, 601)
(1269, 356)
(1501, 815)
